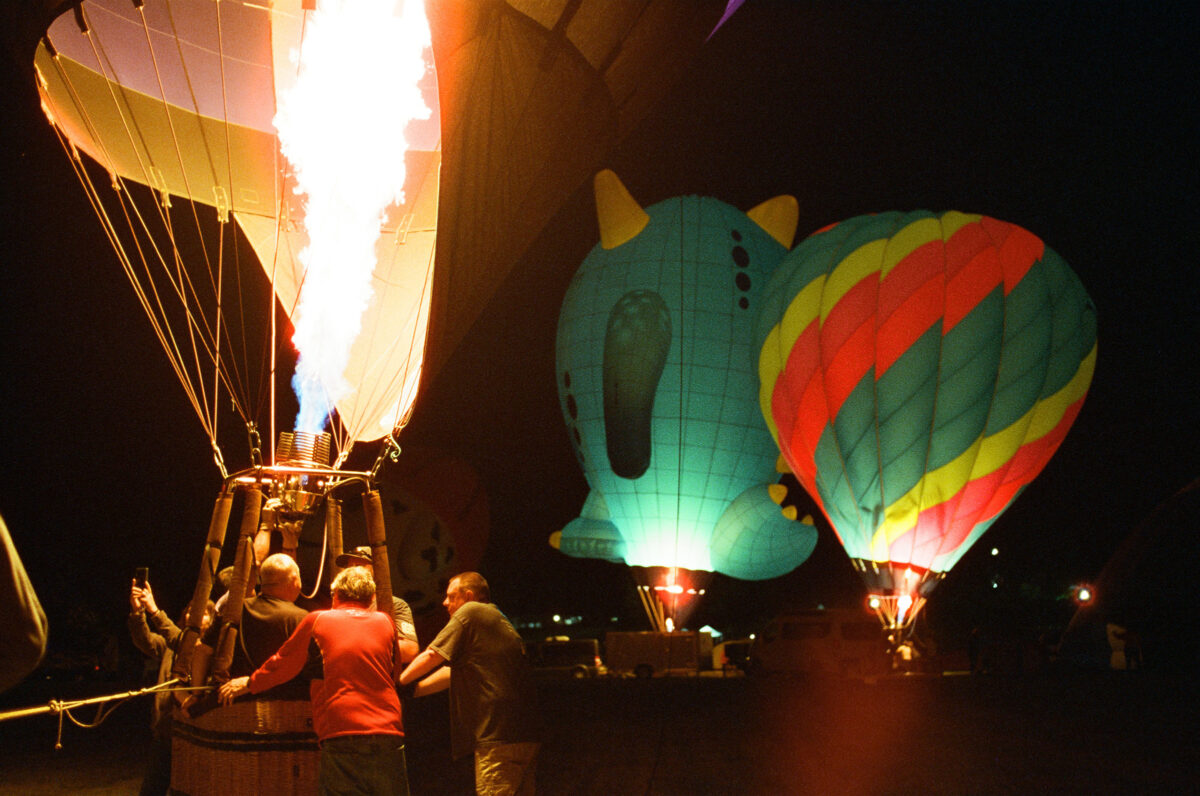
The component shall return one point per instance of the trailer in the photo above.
(653, 654)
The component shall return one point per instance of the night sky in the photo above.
(1075, 121)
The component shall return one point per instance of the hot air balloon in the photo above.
(183, 98)
(656, 382)
(195, 113)
(918, 370)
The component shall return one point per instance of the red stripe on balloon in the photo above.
(973, 271)
(920, 311)
(1019, 249)
(847, 341)
(911, 274)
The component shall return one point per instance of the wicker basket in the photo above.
(252, 747)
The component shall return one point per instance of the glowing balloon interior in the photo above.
(182, 98)
(918, 371)
(657, 387)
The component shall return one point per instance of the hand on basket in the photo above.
(234, 689)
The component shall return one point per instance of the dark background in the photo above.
(1075, 121)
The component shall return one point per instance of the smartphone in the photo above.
(140, 575)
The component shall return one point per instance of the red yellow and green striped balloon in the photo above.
(918, 370)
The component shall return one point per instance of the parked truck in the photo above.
(846, 643)
(652, 654)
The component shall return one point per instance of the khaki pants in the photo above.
(506, 769)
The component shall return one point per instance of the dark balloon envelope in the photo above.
(918, 370)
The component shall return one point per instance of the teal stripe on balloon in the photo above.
(1028, 316)
(1074, 323)
(970, 355)
(906, 399)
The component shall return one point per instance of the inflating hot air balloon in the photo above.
(205, 112)
(918, 370)
(184, 98)
(656, 381)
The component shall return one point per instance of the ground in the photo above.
(1093, 732)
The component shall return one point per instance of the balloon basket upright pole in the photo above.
(291, 491)
(896, 594)
(669, 595)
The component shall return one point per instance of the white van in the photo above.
(840, 642)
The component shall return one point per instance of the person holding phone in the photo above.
(156, 636)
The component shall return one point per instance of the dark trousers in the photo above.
(158, 768)
(366, 765)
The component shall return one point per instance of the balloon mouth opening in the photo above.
(670, 594)
(896, 592)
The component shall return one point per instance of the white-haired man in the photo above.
(268, 618)
(356, 711)
(402, 615)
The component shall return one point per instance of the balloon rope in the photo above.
(181, 274)
(179, 282)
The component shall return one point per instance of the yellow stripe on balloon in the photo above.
(800, 313)
(857, 266)
(921, 232)
(770, 365)
(1049, 412)
(986, 455)
(952, 221)
(908, 239)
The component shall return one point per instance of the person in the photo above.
(480, 657)
(356, 710)
(402, 615)
(23, 626)
(268, 619)
(157, 637)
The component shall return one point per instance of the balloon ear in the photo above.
(621, 217)
(778, 217)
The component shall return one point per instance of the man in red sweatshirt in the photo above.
(356, 712)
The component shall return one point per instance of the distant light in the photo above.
(556, 618)
(701, 592)
(670, 625)
(675, 588)
(874, 602)
(615, 619)
(995, 551)
(820, 606)
(995, 583)
(1083, 595)
(752, 636)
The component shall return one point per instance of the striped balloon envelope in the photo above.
(918, 370)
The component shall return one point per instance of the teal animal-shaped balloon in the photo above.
(658, 385)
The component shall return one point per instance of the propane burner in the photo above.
(298, 492)
(303, 449)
